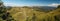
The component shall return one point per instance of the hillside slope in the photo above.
(24, 14)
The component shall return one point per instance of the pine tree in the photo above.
(2, 10)
(4, 15)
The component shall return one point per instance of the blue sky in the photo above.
(31, 2)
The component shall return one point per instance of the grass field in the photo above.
(26, 14)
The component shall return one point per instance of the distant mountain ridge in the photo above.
(41, 8)
(44, 8)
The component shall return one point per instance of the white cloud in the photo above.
(15, 4)
(54, 4)
(11, 4)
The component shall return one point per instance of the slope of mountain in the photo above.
(44, 8)
(22, 14)
(55, 14)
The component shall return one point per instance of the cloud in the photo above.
(54, 4)
(17, 4)
(14, 4)
(10, 4)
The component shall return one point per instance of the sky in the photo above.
(31, 2)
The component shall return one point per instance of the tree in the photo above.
(57, 17)
(34, 17)
(2, 10)
(58, 6)
(27, 19)
(4, 14)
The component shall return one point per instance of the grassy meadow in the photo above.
(30, 14)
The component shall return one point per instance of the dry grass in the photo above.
(20, 14)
